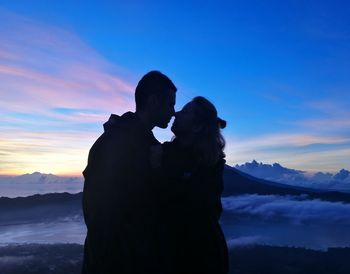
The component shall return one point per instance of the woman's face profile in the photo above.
(184, 120)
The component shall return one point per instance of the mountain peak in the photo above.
(277, 173)
(41, 178)
(342, 174)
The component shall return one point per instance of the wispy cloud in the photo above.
(333, 115)
(319, 142)
(290, 139)
(48, 152)
(327, 124)
(300, 151)
(45, 66)
(54, 89)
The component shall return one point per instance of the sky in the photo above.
(277, 72)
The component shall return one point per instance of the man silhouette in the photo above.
(119, 198)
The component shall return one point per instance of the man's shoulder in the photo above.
(113, 139)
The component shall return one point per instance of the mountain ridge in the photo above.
(236, 182)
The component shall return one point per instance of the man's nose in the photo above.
(176, 113)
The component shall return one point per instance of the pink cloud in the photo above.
(51, 67)
(44, 68)
(327, 123)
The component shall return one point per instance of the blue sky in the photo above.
(278, 72)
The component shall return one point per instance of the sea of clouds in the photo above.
(293, 209)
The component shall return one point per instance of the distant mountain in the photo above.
(40, 208)
(339, 181)
(237, 182)
(42, 178)
(38, 183)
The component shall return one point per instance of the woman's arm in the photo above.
(206, 189)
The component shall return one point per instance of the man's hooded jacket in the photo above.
(118, 200)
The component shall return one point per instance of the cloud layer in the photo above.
(290, 209)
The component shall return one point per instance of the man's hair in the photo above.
(154, 82)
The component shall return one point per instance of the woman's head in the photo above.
(197, 125)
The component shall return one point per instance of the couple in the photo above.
(154, 208)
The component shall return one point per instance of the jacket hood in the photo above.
(128, 122)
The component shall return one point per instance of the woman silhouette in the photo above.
(192, 182)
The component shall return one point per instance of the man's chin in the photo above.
(163, 125)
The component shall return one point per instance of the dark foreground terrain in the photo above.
(66, 259)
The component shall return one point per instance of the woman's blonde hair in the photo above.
(209, 143)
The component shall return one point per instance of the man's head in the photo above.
(155, 97)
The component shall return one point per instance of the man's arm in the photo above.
(108, 171)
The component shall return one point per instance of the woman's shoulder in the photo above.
(177, 156)
(168, 149)
(167, 145)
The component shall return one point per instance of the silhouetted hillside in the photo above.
(67, 258)
(40, 207)
(287, 260)
(39, 200)
(237, 182)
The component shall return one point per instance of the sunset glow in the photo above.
(281, 84)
